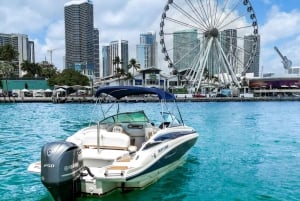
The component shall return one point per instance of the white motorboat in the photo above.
(122, 151)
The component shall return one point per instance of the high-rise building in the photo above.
(31, 52)
(147, 50)
(106, 61)
(249, 42)
(96, 53)
(119, 48)
(228, 40)
(23, 46)
(81, 37)
(186, 46)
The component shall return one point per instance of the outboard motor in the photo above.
(61, 164)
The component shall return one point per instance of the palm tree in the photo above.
(7, 55)
(133, 64)
(6, 70)
(119, 73)
(32, 69)
(116, 62)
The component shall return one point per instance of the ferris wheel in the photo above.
(209, 39)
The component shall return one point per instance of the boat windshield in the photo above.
(127, 117)
(169, 117)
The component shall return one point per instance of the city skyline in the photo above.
(277, 26)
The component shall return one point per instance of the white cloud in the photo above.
(282, 30)
(280, 25)
(43, 22)
(15, 23)
(127, 20)
(55, 43)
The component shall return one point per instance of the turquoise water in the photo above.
(246, 151)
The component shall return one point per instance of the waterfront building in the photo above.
(275, 86)
(249, 40)
(147, 50)
(81, 38)
(186, 46)
(23, 46)
(149, 77)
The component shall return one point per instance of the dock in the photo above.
(90, 99)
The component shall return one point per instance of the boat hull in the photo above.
(173, 155)
(140, 179)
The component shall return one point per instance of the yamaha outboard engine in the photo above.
(61, 164)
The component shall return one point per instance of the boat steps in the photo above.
(115, 170)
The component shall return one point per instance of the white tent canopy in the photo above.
(60, 90)
(48, 90)
(24, 90)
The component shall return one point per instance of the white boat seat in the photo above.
(132, 149)
(107, 155)
(107, 140)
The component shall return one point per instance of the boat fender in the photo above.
(89, 172)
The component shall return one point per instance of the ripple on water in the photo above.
(246, 151)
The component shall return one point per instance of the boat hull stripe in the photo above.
(168, 158)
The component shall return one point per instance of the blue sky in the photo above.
(42, 21)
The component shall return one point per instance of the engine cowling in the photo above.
(61, 165)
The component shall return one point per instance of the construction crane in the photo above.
(51, 52)
(285, 61)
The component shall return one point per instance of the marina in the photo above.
(145, 99)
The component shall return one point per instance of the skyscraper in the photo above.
(96, 53)
(186, 47)
(106, 61)
(249, 41)
(228, 40)
(80, 37)
(147, 50)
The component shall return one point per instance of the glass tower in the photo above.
(106, 61)
(147, 50)
(80, 37)
(228, 40)
(186, 47)
(248, 45)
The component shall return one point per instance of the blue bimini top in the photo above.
(121, 91)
